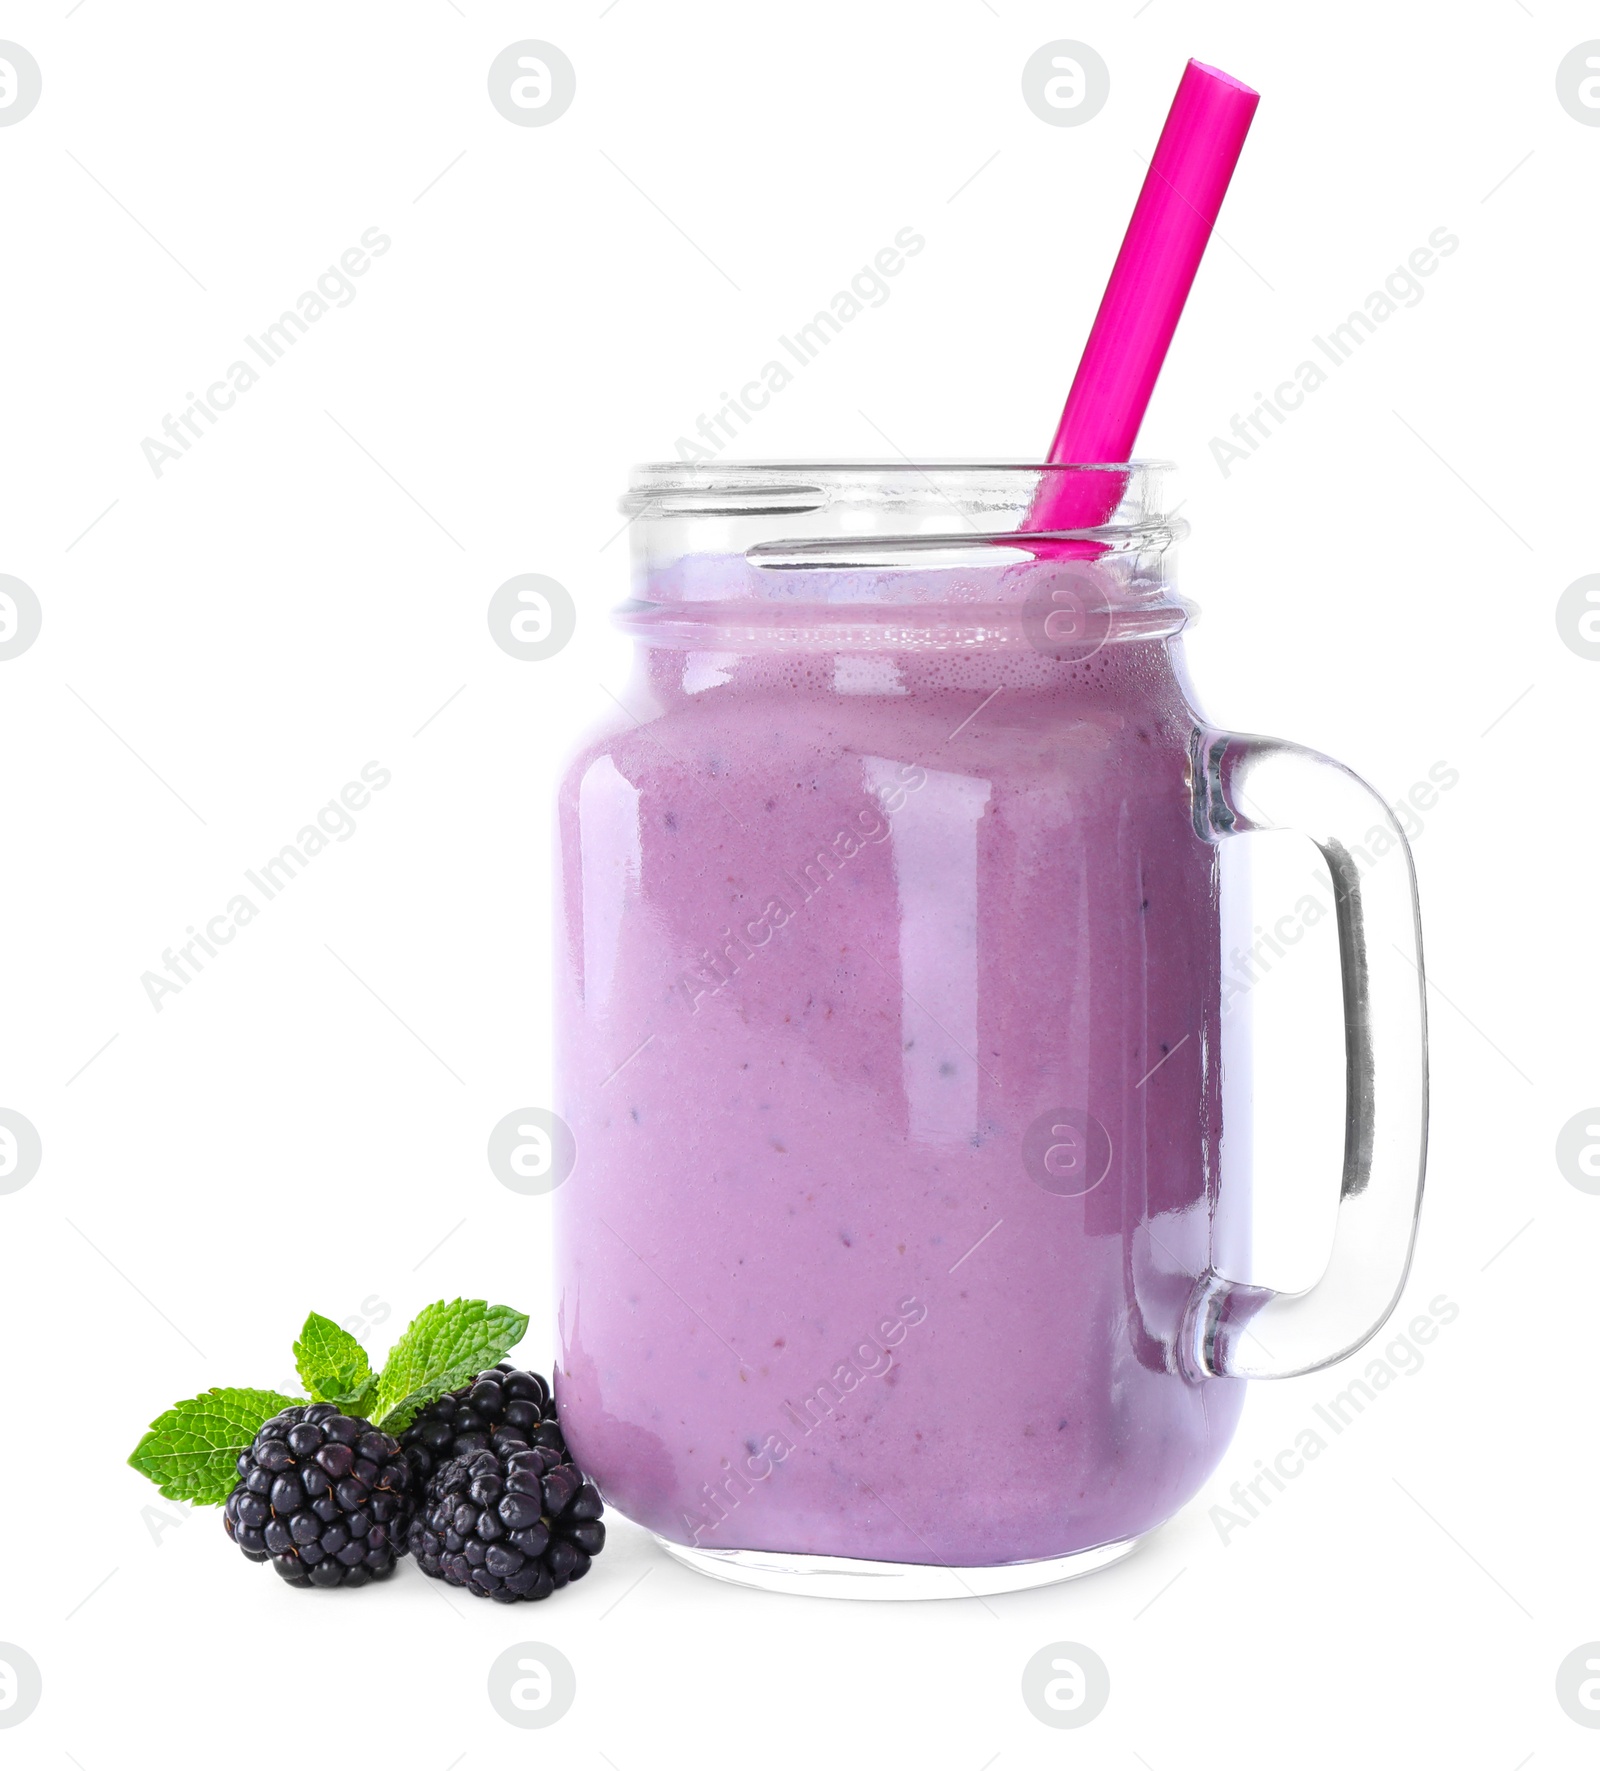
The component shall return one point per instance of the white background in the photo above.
(224, 646)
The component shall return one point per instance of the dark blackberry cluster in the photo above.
(324, 1497)
(502, 1509)
(502, 1408)
(508, 1522)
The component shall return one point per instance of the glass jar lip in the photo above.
(1121, 493)
(890, 535)
(721, 470)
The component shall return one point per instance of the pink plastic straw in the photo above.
(1161, 251)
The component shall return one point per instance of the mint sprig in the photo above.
(443, 1347)
(333, 1366)
(191, 1452)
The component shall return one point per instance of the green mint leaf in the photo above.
(443, 1347)
(333, 1365)
(192, 1450)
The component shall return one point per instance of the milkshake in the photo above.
(888, 1001)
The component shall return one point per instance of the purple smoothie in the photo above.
(845, 932)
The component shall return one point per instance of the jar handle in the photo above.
(1237, 1330)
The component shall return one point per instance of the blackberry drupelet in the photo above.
(324, 1497)
(508, 1524)
(502, 1408)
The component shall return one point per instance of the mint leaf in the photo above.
(443, 1347)
(333, 1365)
(191, 1452)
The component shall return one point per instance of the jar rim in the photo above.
(930, 463)
(874, 542)
(1121, 493)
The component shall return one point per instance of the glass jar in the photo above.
(900, 1255)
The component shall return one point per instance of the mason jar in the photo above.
(905, 1251)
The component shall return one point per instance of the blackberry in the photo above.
(508, 1524)
(327, 1499)
(502, 1408)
